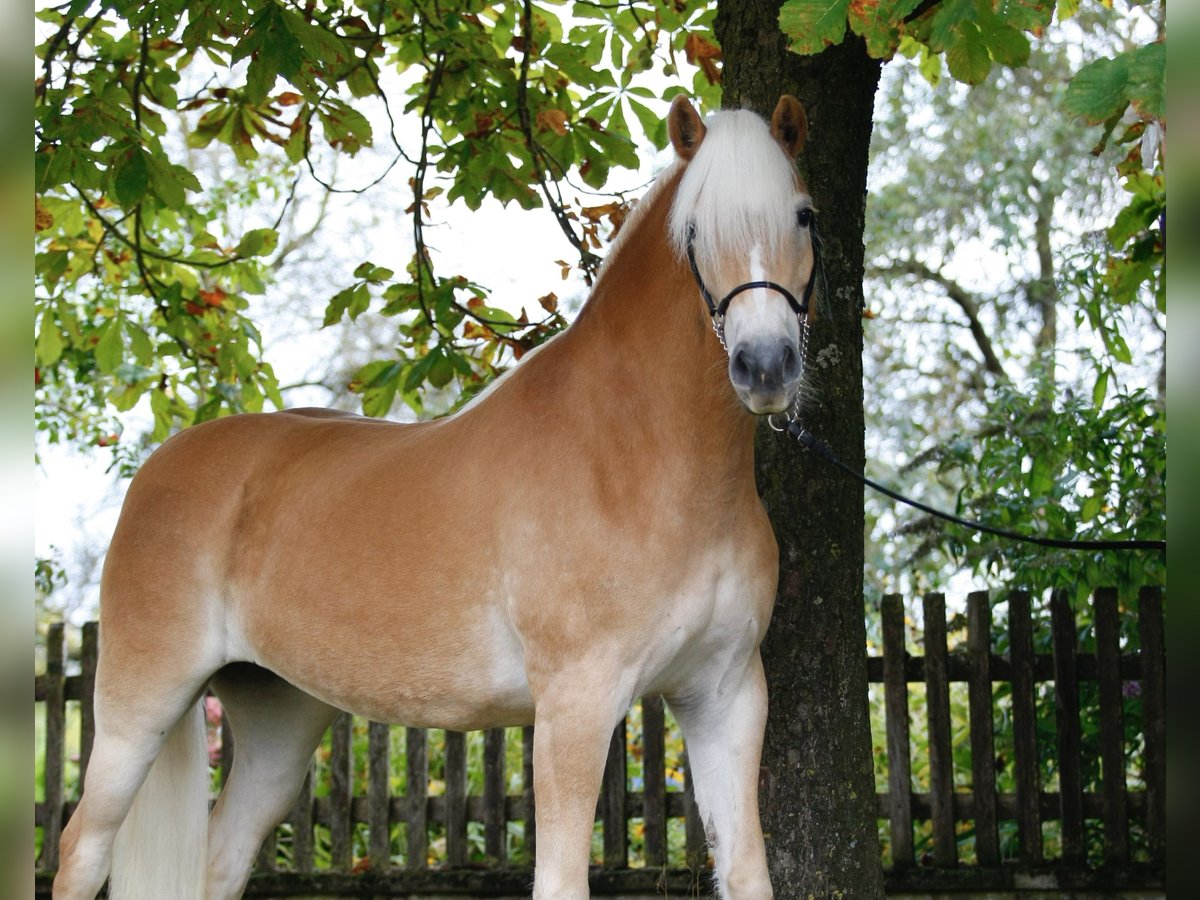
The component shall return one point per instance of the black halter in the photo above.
(717, 310)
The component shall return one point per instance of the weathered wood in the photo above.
(896, 717)
(416, 762)
(1154, 719)
(56, 709)
(612, 801)
(1007, 807)
(527, 792)
(654, 781)
(1024, 712)
(941, 754)
(495, 829)
(379, 838)
(301, 818)
(341, 791)
(1066, 709)
(695, 842)
(227, 746)
(89, 655)
(1112, 728)
(456, 798)
(983, 744)
(958, 666)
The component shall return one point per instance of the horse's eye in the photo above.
(804, 217)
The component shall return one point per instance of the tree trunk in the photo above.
(818, 785)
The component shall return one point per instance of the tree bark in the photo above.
(818, 785)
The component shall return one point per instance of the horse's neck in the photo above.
(645, 332)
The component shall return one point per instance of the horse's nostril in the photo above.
(739, 368)
(791, 363)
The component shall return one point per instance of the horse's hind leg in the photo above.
(276, 728)
(144, 722)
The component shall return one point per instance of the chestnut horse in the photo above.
(587, 531)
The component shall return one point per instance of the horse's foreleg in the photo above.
(276, 728)
(724, 728)
(573, 728)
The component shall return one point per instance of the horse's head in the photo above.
(743, 220)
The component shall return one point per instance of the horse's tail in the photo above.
(161, 850)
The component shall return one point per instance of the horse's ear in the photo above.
(789, 125)
(685, 127)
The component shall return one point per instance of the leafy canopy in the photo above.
(142, 287)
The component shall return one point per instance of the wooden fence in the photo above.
(350, 833)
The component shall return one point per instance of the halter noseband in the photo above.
(717, 309)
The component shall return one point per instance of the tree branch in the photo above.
(961, 296)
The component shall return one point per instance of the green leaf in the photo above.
(258, 242)
(879, 22)
(812, 25)
(131, 178)
(1100, 389)
(1147, 88)
(1007, 45)
(49, 346)
(968, 58)
(110, 349)
(140, 344)
(1099, 90)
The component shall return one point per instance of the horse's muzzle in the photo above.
(766, 374)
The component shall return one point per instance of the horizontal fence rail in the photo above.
(406, 811)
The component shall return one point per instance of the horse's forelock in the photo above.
(738, 191)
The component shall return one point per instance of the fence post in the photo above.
(1154, 719)
(941, 757)
(1025, 759)
(55, 746)
(895, 685)
(379, 840)
(612, 801)
(654, 782)
(456, 798)
(89, 653)
(494, 815)
(1066, 708)
(341, 792)
(1112, 728)
(983, 743)
(416, 761)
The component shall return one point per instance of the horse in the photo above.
(585, 532)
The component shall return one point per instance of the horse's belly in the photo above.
(463, 670)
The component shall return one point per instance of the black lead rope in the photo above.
(806, 437)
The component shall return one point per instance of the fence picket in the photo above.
(1154, 718)
(1025, 758)
(612, 801)
(1112, 727)
(56, 711)
(495, 832)
(379, 839)
(89, 653)
(983, 744)
(302, 826)
(1066, 707)
(456, 798)
(654, 781)
(695, 841)
(341, 793)
(527, 791)
(941, 755)
(895, 684)
(416, 761)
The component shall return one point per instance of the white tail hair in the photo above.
(161, 849)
